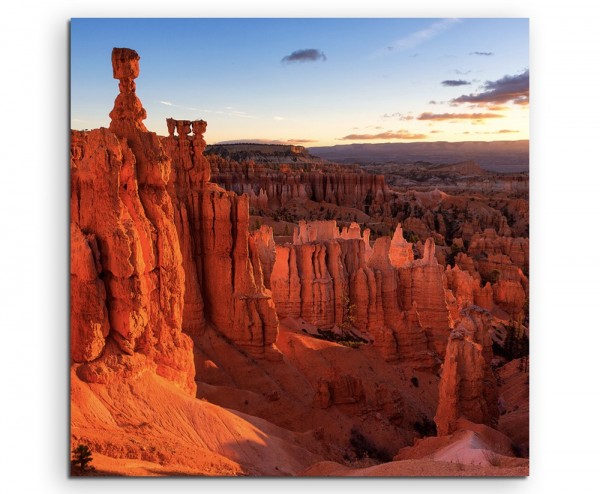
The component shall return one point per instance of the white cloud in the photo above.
(278, 118)
(168, 103)
(415, 39)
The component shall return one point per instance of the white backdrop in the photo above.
(565, 72)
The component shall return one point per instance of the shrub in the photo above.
(425, 427)
(365, 448)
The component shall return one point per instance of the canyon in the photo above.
(251, 310)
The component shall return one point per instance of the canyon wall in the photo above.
(157, 251)
(272, 187)
(337, 280)
(224, 283)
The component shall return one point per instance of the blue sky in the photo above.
(313, 81)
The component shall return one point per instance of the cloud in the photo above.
(435, 131)
(482, 53)
(307, 55)
(279, 119)
(455, 82)
(513, 88)
(168, 103)
(503, 131)
(398, 115)
(240, 114)
(461, 72)
(302, 141)
(414, 39)
(457, 116)
(401, 134)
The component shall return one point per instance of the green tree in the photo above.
(82, 457)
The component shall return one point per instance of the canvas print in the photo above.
(299, 247)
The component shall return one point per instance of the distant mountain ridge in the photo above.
(503, 156)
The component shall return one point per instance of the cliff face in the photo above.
(126, 272)
(224, 282)
(156, 248)
(274, 186)
(334, 279)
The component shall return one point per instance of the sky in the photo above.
(313, 82)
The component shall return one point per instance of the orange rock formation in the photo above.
(173, 298)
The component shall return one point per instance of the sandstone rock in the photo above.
(467, 387)
(235, 299)
(281, 183)
(128, 111)
(224, 282)
(314, 231)
(89, 317)
(338, 389)
(265, 245)
(401, 251)
(517, 249)
(138, 256)
(423, 283)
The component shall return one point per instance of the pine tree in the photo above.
(82, 457)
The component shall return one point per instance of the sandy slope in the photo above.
(474, 450)
(414, 468)
(149, 419)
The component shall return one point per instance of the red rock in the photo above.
(265, 246)
(281, 183)
(89, 317)
(517, 249)
(235, 299)
(139, 261)
(424, 283)
(467, 387)
(401, 251)
(128, 111)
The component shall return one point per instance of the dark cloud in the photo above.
(457, 116)
(513, 88)
(455, 82)
(308, 55)
(401, 134)
(398, 115)
(482, 53)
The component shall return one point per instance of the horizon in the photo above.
(313, 82)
